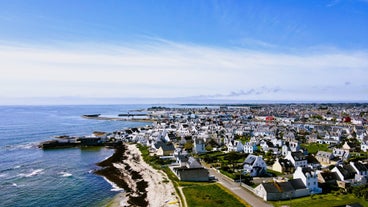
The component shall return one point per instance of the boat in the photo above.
(91, 115)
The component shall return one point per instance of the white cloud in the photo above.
(161, 68)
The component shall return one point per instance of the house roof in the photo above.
(298, 156)
(324, 154)
(286, 186)
(329, 176)
(270, 187)
(165, 146)
(360, 166)
(285, 162)
(250, 159)
(282, 187)
(347, 171)
(297, 184)
(312, 159)
(193, 163)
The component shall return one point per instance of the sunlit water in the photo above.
(63, 177)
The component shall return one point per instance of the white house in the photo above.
(254, 165)
(199, 146)
(309, 178)
(364, 146)
(235, 145)
(250, 147)
(297, 158)
(343, 154)
(360, 168)
(294, 146)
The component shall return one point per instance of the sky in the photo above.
(174, 51)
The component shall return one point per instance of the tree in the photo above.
(209, 148)
(188, 146)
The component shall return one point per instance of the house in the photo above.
(164, 149)
(284, 150)
(364, 146)
(348, 176)
(274, 191)
(199, 146)
(283, 166)
(235, 145)
(254, 165)
(340, 153)
(309, 178)
(313, 162)
(297, 158)
(345, 172)
(324, 157)
(360, 168)
(192, 170)
(250, 147)
(294, 146)
(329, 178)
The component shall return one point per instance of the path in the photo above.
(234, 187)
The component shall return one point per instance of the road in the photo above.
(234, 187)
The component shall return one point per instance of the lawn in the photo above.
(325, 200)
(210, 195)
(313, 148)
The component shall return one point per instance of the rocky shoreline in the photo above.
(143, 185)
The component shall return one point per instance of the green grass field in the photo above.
(325, 200)
(210, 195)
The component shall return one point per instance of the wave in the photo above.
(114, 188)
(33, 173)
(3, 175)
(65, 174)
(32, 145)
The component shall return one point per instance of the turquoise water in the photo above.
(63, 177)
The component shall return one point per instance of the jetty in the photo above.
(96, 139)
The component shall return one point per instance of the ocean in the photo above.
(30, 176)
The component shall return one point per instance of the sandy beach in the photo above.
(144, 186)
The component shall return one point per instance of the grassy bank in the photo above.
(210, 194)
(330, 199)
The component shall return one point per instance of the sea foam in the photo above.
(31, 174)
(114, 186)
(65, 174)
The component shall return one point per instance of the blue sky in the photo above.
(183, 50)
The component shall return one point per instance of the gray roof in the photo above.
(298, 156)
(282, 187)
(165, 146)
(250, 159)
(193, 163)
(297, 184)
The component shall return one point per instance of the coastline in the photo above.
(143, 185)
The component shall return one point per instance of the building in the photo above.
(254, 165)
(275, 191)
(283, 166)
(164, 149)
(297, 158)
(199, 146)
(250, 148)
(192, 170)
(324, 157)
(309, 178)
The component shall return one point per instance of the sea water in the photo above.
(30, 176)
